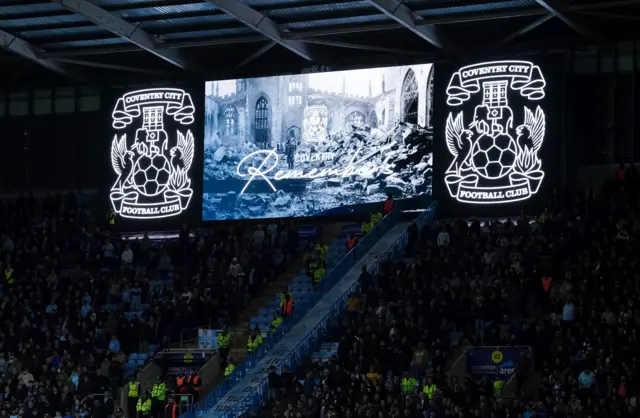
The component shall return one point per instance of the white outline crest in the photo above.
(518, 172)
(153, 179)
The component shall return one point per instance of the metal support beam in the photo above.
(411, 20)
(260, 52)
(128, 31)
(262, 24)
(531, 26)
(562, 11)
(26, 50)
(361, 47)
(107, 66)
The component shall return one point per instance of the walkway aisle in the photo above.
(316, 315)
(240, 334)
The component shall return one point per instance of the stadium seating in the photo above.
(505, 318)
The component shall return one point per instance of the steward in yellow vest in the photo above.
(111, 217)
(158, 395)
(230, 368)
(144, 406)
(132, 398)
(429, 389)
(408, 384)
(8, 275)
(283, 296)
(277, 321)
(497, 387)
(254, 341)
(223, 344)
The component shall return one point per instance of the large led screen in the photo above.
(318, 143)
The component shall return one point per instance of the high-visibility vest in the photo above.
(497, 387)
(229, 369)
(388, 205)
(111, 217)
(408, 384)
(144, 407)
(321, 250)
(134, 389)
(287, 309)
(195, 380)
(276, 323)
(546, 283)
(429, 390)
(318, 275)
(283, 296)
(159, 391)
(8, 276)
(223, 340)
(351, 242)
(180, 383)
(252, 343)
(174, 409)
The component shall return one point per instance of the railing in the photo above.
(300, 310)
(252, 400)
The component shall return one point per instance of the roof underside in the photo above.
(89, 40)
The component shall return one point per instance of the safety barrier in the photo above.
(301, 308)
(251, 400)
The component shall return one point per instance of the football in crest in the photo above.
(493, 158)
(151, 174)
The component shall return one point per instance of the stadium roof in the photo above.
(89, 40)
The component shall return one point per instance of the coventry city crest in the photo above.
(496, 149)
(152, 168)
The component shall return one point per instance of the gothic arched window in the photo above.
(410, 98)
(262, 122)
(230, 120)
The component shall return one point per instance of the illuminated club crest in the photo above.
(152, 168)
(315, 123)
(495, 147)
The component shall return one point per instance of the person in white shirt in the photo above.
(443, 238)
(235, 269)
(127, 255)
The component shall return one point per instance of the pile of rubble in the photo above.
(406, 150)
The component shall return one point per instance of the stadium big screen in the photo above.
(317, 144)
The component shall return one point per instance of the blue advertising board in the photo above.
(493, 361)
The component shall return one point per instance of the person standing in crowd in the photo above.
(224, 338)
(195, 384)
(230, 367)
(132, 396)
(389, 204)
(171, 409)
(352, 241)
(158, 395)
(143, 406)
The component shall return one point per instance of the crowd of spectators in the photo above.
(77, 298)
(564, 283)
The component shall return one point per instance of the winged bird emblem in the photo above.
(531, 132)
(122, 161)
(459, 141)
(182, 153)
